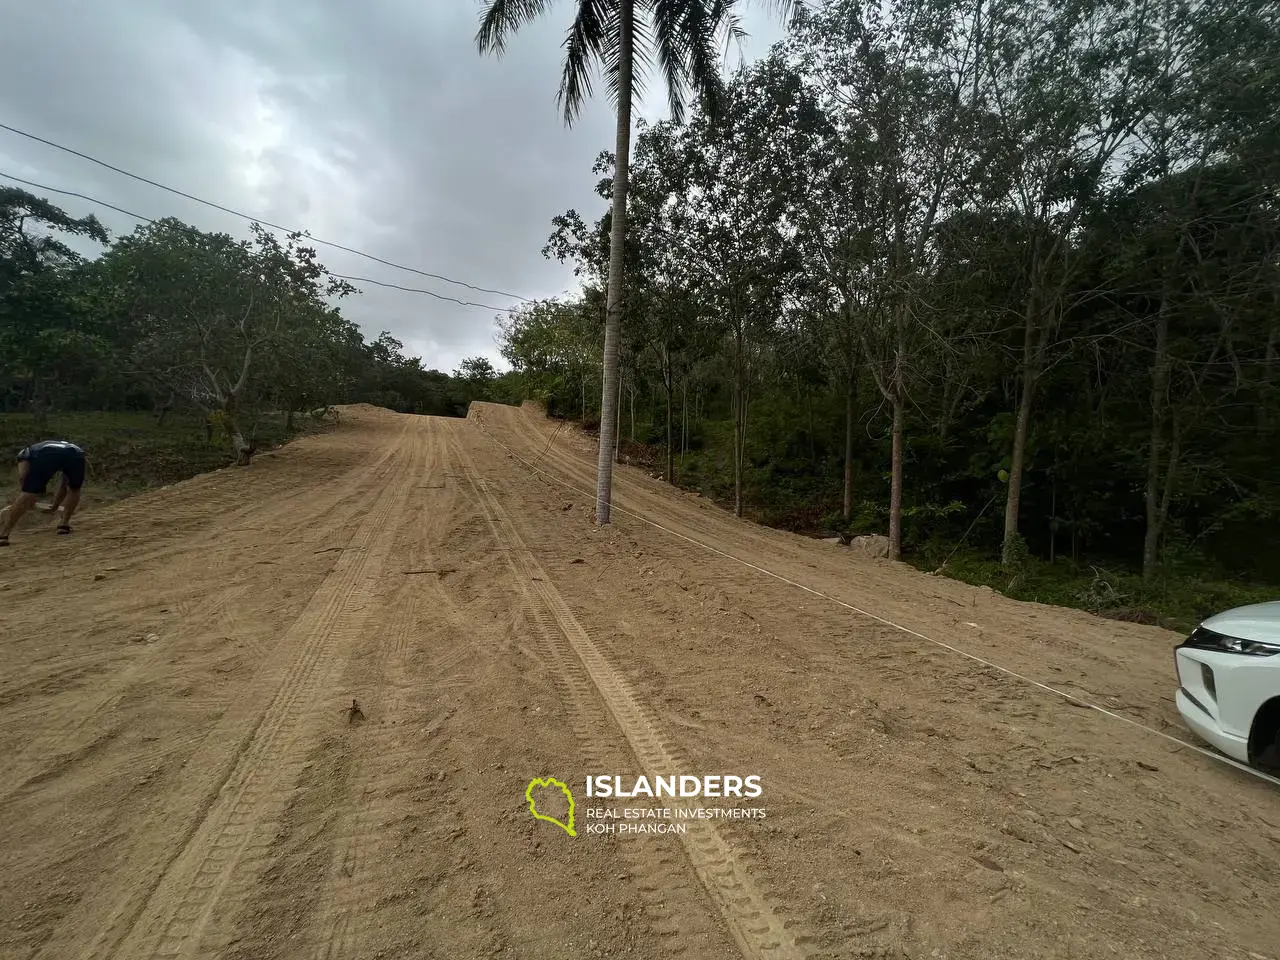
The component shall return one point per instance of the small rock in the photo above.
(1070, 846)
(989, 864)
(1075, 822)
(870, 546)
(440, 776)
(1148, 766)
(1017, 832)
(99, 576)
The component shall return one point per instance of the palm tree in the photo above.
(681, 37)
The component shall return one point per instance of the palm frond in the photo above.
(671, 53)
(641, 57)
(501, 18)
(700, 27)
(589, 40)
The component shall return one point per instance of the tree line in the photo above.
(956, 269)
(172, 318)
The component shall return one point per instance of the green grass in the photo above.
(1174, 602)
(130, 452)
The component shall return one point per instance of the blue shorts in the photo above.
(45, 463)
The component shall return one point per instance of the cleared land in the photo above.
(183, 777)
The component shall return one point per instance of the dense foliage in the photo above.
(170, 318)
(979, 271)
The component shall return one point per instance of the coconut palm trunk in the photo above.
(617, 247)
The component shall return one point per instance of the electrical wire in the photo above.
(339, 276)
(438, 296)
(245, 216)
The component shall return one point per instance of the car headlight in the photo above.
(1206, 639)
(1253, 648)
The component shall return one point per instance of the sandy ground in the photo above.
(185, 776)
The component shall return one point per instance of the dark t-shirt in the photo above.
(47, 447)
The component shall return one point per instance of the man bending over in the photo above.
(36, 466)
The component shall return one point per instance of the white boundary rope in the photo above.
(1221, 758)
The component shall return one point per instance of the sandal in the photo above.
(64, 528)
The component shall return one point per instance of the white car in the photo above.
(1229, 683)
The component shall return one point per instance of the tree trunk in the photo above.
(895, 482)
(617, 239)
(850, 416)
(1022, 425)
(617, 435)
(739, 417)
(1171, 469)
(737, 443)
(684, 422)
(243, 449)
(163, 409)
(1155, 453)
(671, 453)
(288, 421)
(1013, 498)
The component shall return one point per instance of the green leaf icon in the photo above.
(533, 806)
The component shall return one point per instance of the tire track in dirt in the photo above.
(53, 749)
(216, 865)
(357, 873)
(248, 769)
(756, 926)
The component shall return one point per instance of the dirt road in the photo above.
(185, 776)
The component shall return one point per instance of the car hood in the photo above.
(1257, 621)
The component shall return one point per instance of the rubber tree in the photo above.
(1066, 85)
(220, 316)
(680, 37)
(896, 82)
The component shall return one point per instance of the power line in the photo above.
(245, 216)
(78, 196)
(396, 286)
(339, 276)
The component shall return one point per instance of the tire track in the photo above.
(756, 927)
(357, 871)
(54, 749)
(256, 763)
(218, 864)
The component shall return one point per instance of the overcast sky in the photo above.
(375, 125)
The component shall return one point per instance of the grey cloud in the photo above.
(376, 125)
